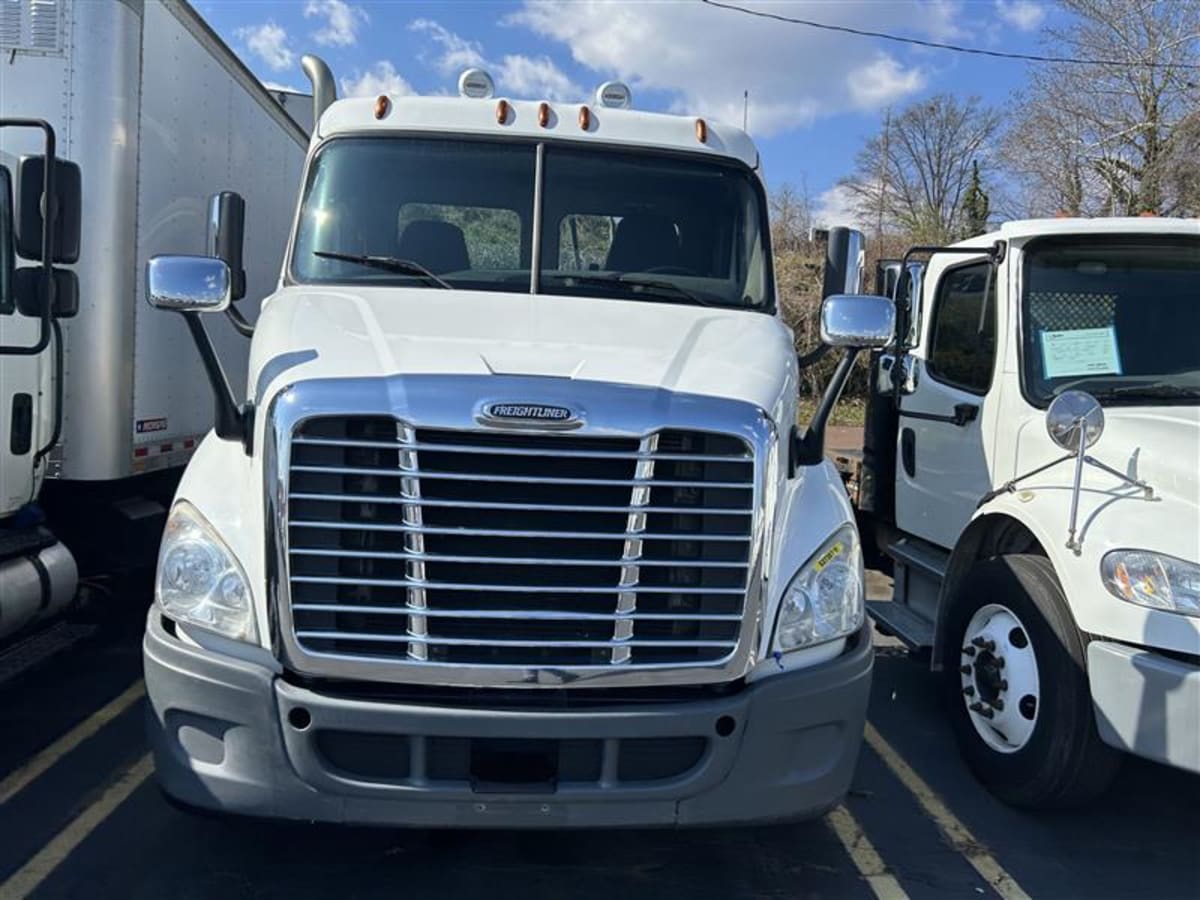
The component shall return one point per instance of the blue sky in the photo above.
(813, 95)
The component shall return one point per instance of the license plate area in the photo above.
(507, 766)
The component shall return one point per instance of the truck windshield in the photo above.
(618, 224)
(1115, 316)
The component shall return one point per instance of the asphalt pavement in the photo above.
(81, 817)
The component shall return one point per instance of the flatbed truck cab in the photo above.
(1031, 470)
(513, 526)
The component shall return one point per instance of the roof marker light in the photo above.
(382, 105)
(702, 131)
(543, 114)
(614, 95)
(502, 112)
(585, 118)
(476, 84)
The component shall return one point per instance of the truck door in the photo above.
(941, 456)
(19, 374)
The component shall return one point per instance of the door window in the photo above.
(962, 348)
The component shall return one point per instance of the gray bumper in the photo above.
(1146, 704)
(222, 740)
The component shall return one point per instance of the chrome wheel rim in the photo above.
(999, 678)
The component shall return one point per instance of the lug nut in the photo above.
(966, 670)
(1004, 684)
(978, 642)
(969, 691)
(998, 704)
(986, 712)
(1000, 662)
(969, 650)
(989, 646)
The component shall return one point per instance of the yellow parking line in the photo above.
(69, 741)
(26, 879)
(956, 832)
(866, 859)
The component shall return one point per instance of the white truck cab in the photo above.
(1032, 469)
(513, 526)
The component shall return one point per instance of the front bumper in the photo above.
(1146, 704)
(225, 736)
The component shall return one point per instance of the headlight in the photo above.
(1153, 580)
(199, 581)
(824, 600)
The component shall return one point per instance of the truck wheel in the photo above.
(1019, 698)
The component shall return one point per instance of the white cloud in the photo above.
(882, 82)
(515, 73)
(382, 78)
(703, 57)
(269, 42)
(836, 207)
(341, 22)
(456, 53)
(1025, 15)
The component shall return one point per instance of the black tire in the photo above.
(1064, 763)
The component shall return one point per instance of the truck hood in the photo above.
(338, 332)
(1159, 445)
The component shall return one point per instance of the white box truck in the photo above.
(515, 528)
(150, 111)
(1032, 470)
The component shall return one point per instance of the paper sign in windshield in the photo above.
(1086, 351)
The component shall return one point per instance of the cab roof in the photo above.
(1023, 229)
(469, 116)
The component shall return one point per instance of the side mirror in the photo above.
(188, 283)
(226, 237)
(844, 262)
(860, 321)
(907, 294)
(8, 259)
(29, 285)
(66, 215)
(1075, 416)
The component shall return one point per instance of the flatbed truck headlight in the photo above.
(199, 581)
(1152, 579)
(824, 600)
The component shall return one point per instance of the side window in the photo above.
(584, 241)
(962, 347)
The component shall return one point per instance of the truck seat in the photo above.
(642, 243)
(438, 246)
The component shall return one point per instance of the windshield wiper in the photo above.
(659, 288)
(389, 263)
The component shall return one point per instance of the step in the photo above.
(897, 619)
(40, 647)
(917, 554)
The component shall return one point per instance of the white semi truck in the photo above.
(515, 528)
(1032, 470)
(102, 402)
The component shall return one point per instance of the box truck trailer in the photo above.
(148, 110)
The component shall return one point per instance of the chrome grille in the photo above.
(423, 545)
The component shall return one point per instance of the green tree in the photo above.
(975, 206)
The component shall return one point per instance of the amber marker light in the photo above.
(585, 118)
(702, 131)
(382, 105)
(502, 111)
(544, 114)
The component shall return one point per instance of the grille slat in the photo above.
(424, 546)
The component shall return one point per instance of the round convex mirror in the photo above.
(1072, 414)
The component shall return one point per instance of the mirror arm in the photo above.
(804, 360)
(244, 328)
(809, 449)
(231, 421)
(48, 218)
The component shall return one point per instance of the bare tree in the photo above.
(914, 173)
(1113, 138)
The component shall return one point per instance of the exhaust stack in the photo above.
(324, 88)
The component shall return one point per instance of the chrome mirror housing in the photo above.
(188, 283)
(889, 373)
(857, 320)
(1075, 416)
